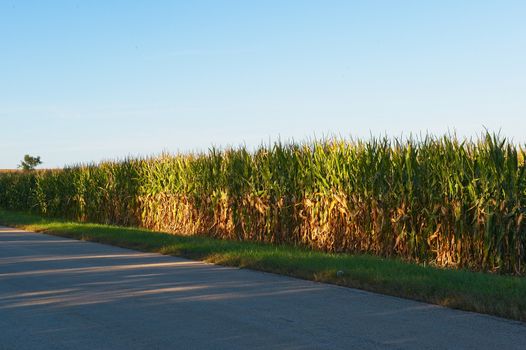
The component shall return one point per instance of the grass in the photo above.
(498, 295)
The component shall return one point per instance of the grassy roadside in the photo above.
(486, 293)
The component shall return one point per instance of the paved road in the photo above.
(58, 293)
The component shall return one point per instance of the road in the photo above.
(58, 293)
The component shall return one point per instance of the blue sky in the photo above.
(89, 80)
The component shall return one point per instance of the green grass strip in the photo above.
(499, 295)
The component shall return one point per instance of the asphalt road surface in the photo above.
(58, 293)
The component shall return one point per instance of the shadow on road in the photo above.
(87, 295)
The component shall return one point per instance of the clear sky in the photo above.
(89, 80)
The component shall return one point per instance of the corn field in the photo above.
(440, 201)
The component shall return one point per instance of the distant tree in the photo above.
(30, 162)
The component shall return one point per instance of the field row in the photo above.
(436, 200)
